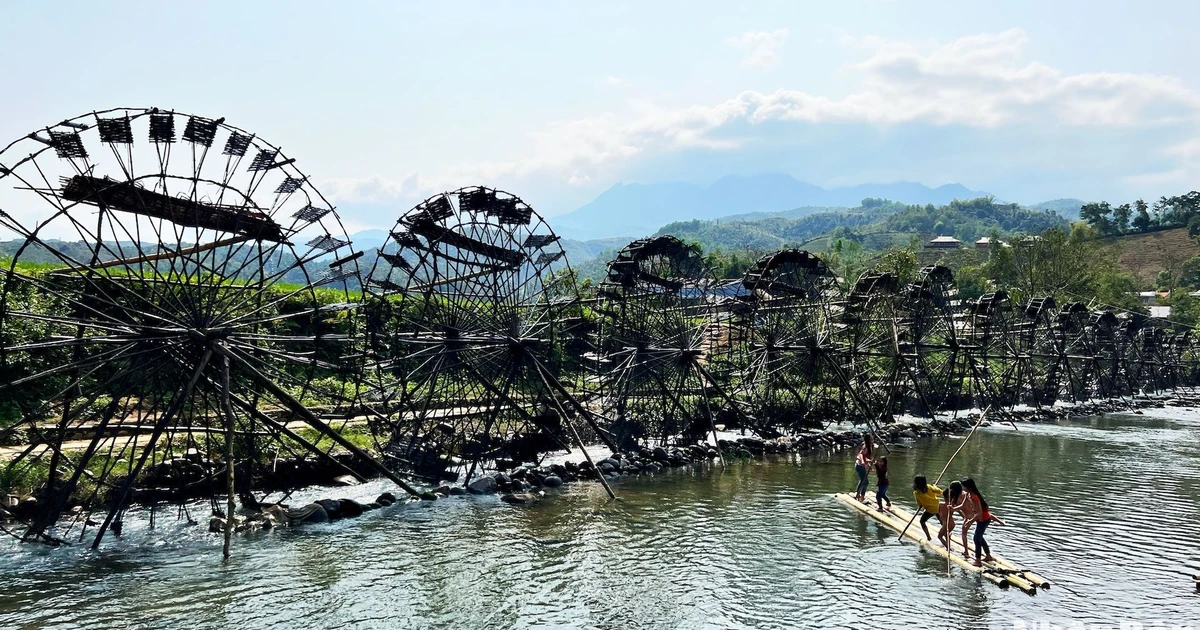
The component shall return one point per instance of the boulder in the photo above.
(522, 498)
(311, 513)
(482, 485)
(552, 481)
(345, 480)
(457, 491)
(333, 508)
(351, 508)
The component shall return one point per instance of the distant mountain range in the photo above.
(635, 210)
(1068, 208)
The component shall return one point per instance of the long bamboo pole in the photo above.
(947, 466)
(229, 480)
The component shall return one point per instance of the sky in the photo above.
(385, 103)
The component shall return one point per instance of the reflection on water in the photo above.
(1106, 508)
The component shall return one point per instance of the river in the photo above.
(1104, 507)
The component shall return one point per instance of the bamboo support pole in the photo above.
(123, 495)
(229, 463)
(313, 421)
(578, 440)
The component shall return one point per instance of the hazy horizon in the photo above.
(383, 104)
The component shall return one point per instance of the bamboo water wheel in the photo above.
(176, 301)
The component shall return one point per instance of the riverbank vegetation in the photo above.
(1032, 253)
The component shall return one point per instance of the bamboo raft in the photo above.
(999, 571)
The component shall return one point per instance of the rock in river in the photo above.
(482, 485)
(522, 498)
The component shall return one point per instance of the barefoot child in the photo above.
(946, 514)
(927, 499)
(983, 518)
(881, 478)
(968, 506)
(862, 460)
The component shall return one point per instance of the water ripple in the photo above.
(1104, 507)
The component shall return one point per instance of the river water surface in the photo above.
(1104, 507)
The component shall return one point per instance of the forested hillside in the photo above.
(966, 220)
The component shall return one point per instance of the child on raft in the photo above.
(861, 461)
(974, 509)
(927, 496)
(946, 513)
(881, 479)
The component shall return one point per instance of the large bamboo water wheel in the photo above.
(870, 366)
(929, 343)
(786, 324)
(992, 345)
(1107, 351)
(175, 301)
(474, 328)
(1074, 345)
(1039, 364)
(655, 337)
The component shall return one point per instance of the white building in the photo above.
(944, 242)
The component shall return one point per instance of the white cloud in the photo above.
(374, 188)
(761, 48)
(979, 81)
(1182, 176)
(617, 82)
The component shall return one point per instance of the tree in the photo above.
(731, 264)
(901, 263)
(1067, 266)
(1185, 309)
(971, 281)
(1178, 210)
(1099, 216)
(1164, 281)
(1159, 209)
(1189, 275)
(846, 259)
(1141, 219)
(1121, 215)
